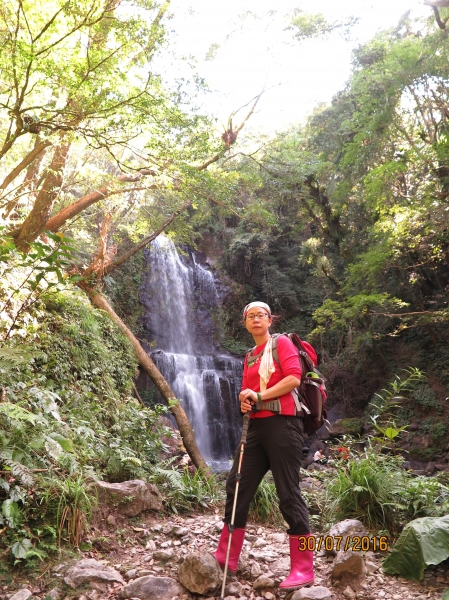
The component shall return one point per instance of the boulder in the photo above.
(90, 571)
(130, 497)
(344, 529)
(200, 573)
(348, 567)
(152, 588)
(349, 426)
(312, 593)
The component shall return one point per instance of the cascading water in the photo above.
(178, 295)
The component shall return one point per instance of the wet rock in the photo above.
(91, 571)
(130, 497)
(263, 582)
(313, 593)
(152, 588)
(200, 573)
(348, 566)
(21, 595)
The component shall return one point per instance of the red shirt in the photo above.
(289, 359)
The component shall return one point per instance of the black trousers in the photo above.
(272, 443)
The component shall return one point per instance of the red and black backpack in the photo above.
(310, 396)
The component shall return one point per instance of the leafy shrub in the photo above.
(378, 492)
(265, 504)
(185, 492)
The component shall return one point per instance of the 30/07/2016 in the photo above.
(334, 542)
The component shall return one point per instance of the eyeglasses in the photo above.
(259, 316)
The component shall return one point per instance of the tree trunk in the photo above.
(185, 428)
(39, 147)
(34, 224)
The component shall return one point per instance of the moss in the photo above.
(352, 426)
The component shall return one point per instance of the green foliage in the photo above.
(185, 492)
(67, 412)
(423, 542)
(265, 504)
(306, 26)
(377, 491)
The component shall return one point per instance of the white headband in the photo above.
(256, 305)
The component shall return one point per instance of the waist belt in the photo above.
(273, 405)
(276, 406)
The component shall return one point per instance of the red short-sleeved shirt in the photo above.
(289, 365)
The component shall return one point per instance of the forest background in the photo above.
(340, 224)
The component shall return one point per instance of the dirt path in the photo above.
(150, 545)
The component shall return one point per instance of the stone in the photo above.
(152, 588)
(260, 543)
(54, 594)
(150, 545)
(371, 567)
(278, 538)
(163, 555)
(111, 521)
(255, 570)
(269, 596)
(130, 497)
(179, 531)
(21, 595)
(348, 426)
(234, 589)
(200, 573)
(348, 566)
(90, 571)
(349, 593)
(312, 593)
(344, 529)
(131, 574)
(263, 582)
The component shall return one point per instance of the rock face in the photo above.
(350, 426)
(89, 570)
(152, 588)
(200, 573)
(130, 497)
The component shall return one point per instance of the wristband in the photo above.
(259, 397)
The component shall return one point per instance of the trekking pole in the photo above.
(237, 479)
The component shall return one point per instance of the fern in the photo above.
(19, 471)
(15, 412)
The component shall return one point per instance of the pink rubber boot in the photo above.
(236, 547)
(301, 563)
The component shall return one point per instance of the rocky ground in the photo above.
(142, 557)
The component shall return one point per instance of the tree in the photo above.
(91, 135)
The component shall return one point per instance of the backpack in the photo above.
(310, 396)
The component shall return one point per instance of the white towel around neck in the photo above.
(266, 368)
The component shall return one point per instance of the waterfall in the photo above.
(178, 295)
